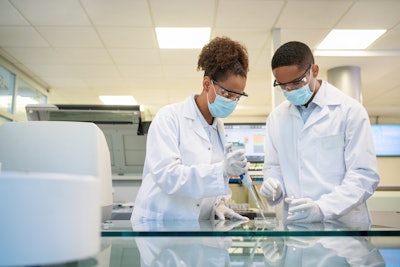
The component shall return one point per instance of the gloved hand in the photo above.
(302, 241)
(235, 162)
(273, 250)
(228, 225)
(222, 212)
(271, 189)
(303, 210)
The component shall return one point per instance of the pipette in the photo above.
(247, 182)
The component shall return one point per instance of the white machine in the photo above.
(56, 189)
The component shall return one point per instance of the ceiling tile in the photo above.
(96, 71)
(371, 15)
(118, 13)
(125, 56)
(187, 57)
(134, 72)
(181, 71)
(388, 41)
(20, 36)
(114, 37)
(53, 71)
(85, 56)
(177, 13)
(251, 38)
(67, 83)
(312, 14)
(312, 37)
(9, 16)
(71, 36)
(247, 14)
(52, 12)
(34, 55)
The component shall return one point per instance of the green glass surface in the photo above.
(257, 228)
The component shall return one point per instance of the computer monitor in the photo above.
(250, 136)
(386, 139)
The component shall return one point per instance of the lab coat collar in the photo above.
(325, 97)
(192, 113)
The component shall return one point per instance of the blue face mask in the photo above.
(222, 107)
(299, 96)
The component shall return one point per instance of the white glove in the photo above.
(273, 250)
(224, 226)
(235, 162)
(271, 189)
(222, 212)
(301, 241)
(303, 210)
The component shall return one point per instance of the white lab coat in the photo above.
(325, 251)
(330, 158)
(184, 251)
(178, 177)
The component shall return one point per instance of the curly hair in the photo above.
(292, 53)
(222, 57)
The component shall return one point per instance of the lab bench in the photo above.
(252, 243)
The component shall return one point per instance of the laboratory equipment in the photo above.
(58, 147)
(248, 182)
(55, 190)
(48, 218)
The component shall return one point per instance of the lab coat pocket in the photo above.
(331, 154)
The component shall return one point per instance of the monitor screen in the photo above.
(386, 139)
(250, 136)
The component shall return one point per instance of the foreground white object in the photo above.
(58, 147)
(48, 218)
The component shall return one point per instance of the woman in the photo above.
(187, 166)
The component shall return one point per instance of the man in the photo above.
(320, 158)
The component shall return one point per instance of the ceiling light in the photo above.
(350, 39)
(118, 100)
(182, 37)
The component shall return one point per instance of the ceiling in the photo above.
(80, 49)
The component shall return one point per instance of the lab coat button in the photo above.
(209, 148)
(198, 205)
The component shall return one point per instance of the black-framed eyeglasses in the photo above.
(296, 83)
(228, 93)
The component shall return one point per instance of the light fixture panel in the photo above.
(349, 39)
(182, 38)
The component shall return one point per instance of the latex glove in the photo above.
(222, 212)
(301, 241)
(303, 210)
(316, 226)
(273, 250)
(235, 162)
(271, 189)
(228, 225)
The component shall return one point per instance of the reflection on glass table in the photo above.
(247, 251)
(321, 251)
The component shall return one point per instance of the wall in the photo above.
(389, 170)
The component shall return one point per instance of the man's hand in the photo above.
(303, 210)
(271, 189)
